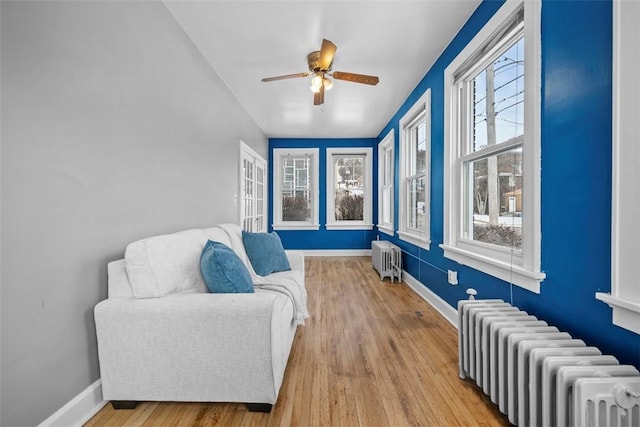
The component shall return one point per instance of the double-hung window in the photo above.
(349, 185)
(415, 183)
(295, 196)
(492, 154)
(385, 184)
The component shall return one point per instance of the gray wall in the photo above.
(114, 128)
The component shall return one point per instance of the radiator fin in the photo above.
(615, 401)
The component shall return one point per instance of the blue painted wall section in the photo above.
(323, 238)
(576, 180)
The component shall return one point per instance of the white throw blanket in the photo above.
(288, 286)
(291, 288)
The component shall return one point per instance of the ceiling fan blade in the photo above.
(327, 50)
(318, 98)
(286, 76)
(356, 78)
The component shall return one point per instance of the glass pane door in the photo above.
(253, 190)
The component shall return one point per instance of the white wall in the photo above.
(114, 128)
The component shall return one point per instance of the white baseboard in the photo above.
(337, 252)
(78, 410)
(441, 306)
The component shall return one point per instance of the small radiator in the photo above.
(540, 376)
(387, 259)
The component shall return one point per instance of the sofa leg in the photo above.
(259, 407)
(124, 404)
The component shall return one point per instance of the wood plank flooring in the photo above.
(372, 354)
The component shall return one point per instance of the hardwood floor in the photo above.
(372, 354)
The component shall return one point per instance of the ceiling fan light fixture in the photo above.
(328, 84)
(316, 83)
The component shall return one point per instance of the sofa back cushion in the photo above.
(118, 282)
(168, 264)
(223, 271)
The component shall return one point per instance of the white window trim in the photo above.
(367, 222)
(625, 230)
(423, 239)
(387, 144)
(525, 273)
(278, 154)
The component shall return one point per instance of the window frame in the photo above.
(624, 298)
(421, 238)
(278, 155)
(387, 145)
(468, 154)
(521, 271)
(367, 221)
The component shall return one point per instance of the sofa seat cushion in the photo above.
(168, 264)
(223, 271)
(265, 252)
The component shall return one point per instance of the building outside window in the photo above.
(493, 206)
(349, 182)
(295, 189)
(492, 148)
(296, 194)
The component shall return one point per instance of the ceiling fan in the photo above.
(320, 62)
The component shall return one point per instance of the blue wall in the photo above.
(576, 179)
(323, 238)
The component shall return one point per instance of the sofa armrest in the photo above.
(195, 343)
(296, 260)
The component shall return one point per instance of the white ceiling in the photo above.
(397, 40)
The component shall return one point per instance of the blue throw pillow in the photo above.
(223, 271)
(265, 252)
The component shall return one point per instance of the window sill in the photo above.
(295, 227)
(415, 240)
(349, 226)
(386, 230)
(515, 274)
(626, 313)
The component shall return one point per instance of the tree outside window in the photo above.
(492, 163)
(349, 200)
(349, 188)
(495, 179)
(414, 176)
(296, 200)
(295, 196)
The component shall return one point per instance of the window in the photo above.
(295, 198)
(491, 165)
(349, 188)
(385, 184)
(415, 171)
(492, 148)
(625, 231)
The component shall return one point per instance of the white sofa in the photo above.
(163, 337)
